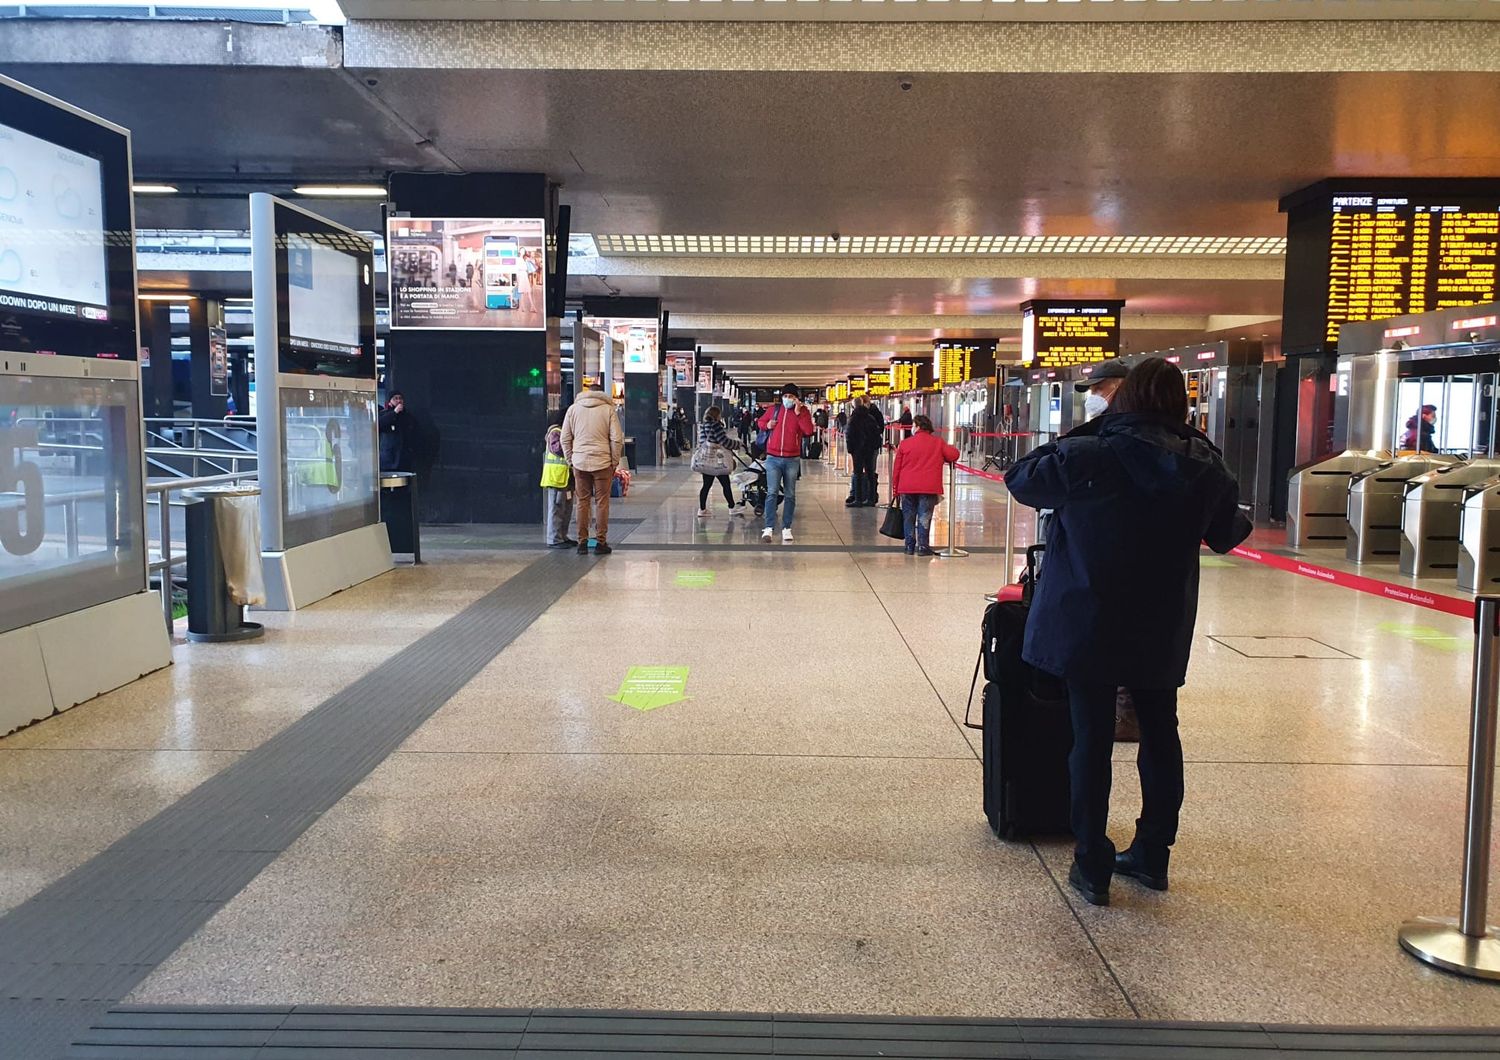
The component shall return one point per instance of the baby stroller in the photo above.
(751, 481)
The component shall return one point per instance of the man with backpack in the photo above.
(782, 428)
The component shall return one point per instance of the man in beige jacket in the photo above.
(593, 442)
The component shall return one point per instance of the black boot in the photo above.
(1150, 870)
(1091, 891)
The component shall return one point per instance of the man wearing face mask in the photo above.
(784, 425)
(1100, 387)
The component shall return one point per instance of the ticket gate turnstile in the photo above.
(1374, 506)
(1479, 538)
(1317, 511)
(1430, 515)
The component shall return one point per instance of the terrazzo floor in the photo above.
(802, 832)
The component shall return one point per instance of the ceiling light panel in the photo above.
(934, 245)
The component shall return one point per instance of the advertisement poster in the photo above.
(467, 273)
(218, 362)
(705, 379)
(637, 337)
(681, 367)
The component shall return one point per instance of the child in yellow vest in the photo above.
(557, 486)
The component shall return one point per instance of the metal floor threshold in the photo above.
(310, 1032)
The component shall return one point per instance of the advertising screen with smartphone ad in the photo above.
(474, 274)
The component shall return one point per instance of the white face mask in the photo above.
(1094, 406)
(788, 401)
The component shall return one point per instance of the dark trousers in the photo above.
(865, 488)
(1159, 759)
(708, 482)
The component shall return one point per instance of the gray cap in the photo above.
(1115, 369)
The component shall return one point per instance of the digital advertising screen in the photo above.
(1061, 334)
(682, 369)
(329, 468)
(1370, 250)
(67, 245)
(467, 273)
(960, 361)
(636, 337)
(325, 293)
(705, 378)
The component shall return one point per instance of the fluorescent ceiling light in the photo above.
(341, 191)
(158, 296)
(154, 189)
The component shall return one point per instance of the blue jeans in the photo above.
(918, 509)
(781, 477)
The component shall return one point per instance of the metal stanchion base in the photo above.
(1437, 941)
(246, 631)
(952, 553)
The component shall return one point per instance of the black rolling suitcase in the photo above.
(1027, 729)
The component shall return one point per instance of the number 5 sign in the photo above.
(22, 493)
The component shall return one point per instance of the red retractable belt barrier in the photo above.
(1453, 605)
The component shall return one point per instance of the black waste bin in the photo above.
(212, 613)
(398, 511)
(630, 453)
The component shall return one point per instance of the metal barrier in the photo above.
(952, 551)
(1468, 945)
(170, 440)
(162, 491)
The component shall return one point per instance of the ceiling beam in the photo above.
(699, 323)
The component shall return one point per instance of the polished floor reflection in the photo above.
(802, 832)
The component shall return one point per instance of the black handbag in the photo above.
(894, 523)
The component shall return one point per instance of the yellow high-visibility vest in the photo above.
(555, 472)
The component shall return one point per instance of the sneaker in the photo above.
(602, 549)
(583, 548)
(702, 513)
(786, 536)
(739, 509)
(765, 535)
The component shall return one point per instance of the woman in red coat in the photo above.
(917, 478)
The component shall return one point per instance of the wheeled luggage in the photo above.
(1027, 729)
(812, 449)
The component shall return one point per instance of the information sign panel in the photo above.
(958, 361)
(1060, 334)
(878, 382)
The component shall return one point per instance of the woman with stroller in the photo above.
(713, 432)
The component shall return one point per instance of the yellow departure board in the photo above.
(904, 377)
(856, 385)
(878, 382)
(1061, 334)
(955, 362)
(1396, 256)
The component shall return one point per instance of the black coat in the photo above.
(864, 431)
(1134, 497)
(397, 448)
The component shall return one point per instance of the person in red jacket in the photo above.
(786, 423)
(917, 478)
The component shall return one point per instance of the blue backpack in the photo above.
(762, 437)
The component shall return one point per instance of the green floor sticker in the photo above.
(1214, 561)
(1433, 638)
(649, 687)
(695, 579)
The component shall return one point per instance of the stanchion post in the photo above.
(1468, 945)
(1010, 538)
(952, 552)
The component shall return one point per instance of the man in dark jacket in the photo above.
(1135, 493)
(863, 439)
(395, 435)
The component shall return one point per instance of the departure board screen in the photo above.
(959, 362)
(856, 385)
(909, 376)
(878, 382)
(1391, 257)
(1061, 334)
(1362, 250)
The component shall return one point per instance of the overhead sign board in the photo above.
(856, 385)
(878, 382)
(1372, 250)
(1061, 334)
(908, 376)
(961, 360)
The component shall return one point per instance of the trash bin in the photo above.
(630, 453)
(223, 557)
(398, 511)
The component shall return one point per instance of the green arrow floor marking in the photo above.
(695, 579)
(1433, 638)
(649, 687)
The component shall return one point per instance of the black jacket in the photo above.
(1134, 497)
(396, 443)
(863, 434)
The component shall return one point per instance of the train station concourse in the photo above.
(571, 529)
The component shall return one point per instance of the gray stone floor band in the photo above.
(306, 1032)
(89, 938)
